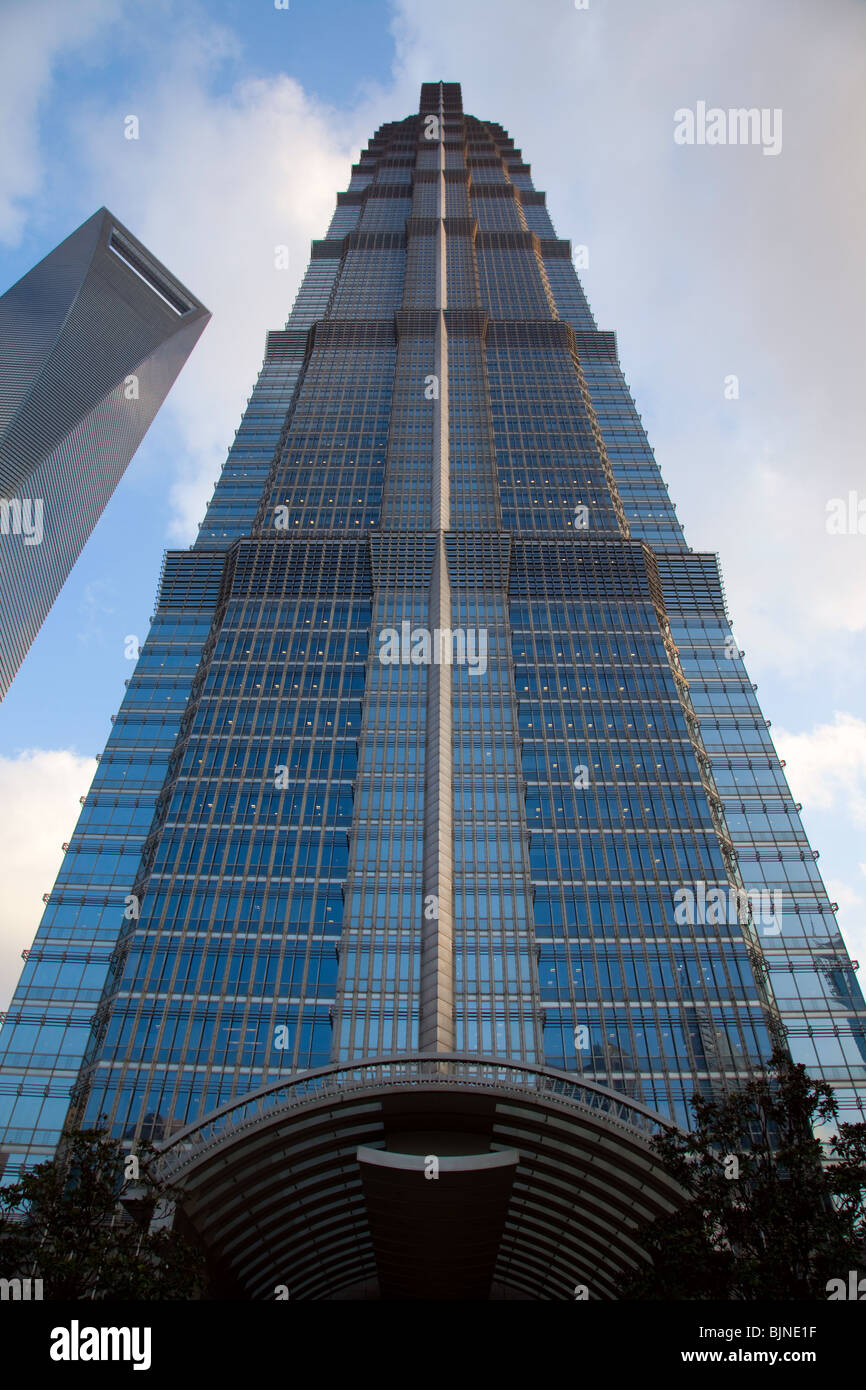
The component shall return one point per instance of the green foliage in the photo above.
(63, 1223)
(792, 1218)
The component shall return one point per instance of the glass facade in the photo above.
(440, 741)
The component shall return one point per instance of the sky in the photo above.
(709, 261)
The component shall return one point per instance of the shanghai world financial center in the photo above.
(439, 816)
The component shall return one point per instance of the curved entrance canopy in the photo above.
(439, 1176)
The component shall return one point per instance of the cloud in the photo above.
(851, 918)
(707, 261)
(217, 180)
(39, 791)
(34, 36)
(826, 768)
(225, 169)
(844, 894)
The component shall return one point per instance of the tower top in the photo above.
(449, 93)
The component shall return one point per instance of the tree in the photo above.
(769, 1213)
(63, 1223)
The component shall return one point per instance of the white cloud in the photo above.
(844, 894)
(225, 169)
(39, 791)
(826, 770)
(215, 183)
(707, 261)
(852, 922)
(34, 34)
(826, 767)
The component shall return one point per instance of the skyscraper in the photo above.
(91, 340)
(439, 846)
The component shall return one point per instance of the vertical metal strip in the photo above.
(436, 1029)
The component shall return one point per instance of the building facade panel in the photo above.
(91, 341)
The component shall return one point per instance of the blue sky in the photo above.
(706, 261)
